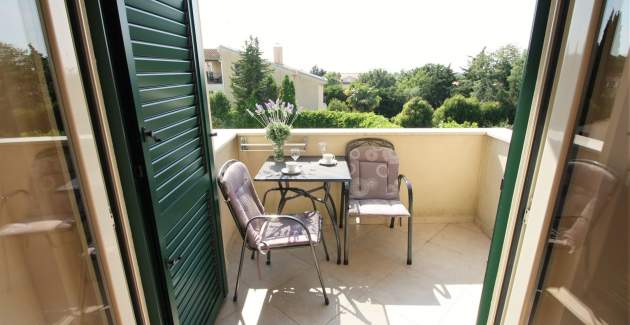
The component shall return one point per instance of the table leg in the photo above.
(332, 213)
(283, 195)
(344, 215)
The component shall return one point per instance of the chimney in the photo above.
(277, 54)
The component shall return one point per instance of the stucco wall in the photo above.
(225, 148)
(494, 158)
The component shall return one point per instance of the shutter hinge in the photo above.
(501, 186)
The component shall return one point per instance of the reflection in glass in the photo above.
(584, 279)
(48, 268)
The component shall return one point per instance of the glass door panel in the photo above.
(584, 275)
(48, 267)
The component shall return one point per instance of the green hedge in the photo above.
(335, 119)
(314, 119)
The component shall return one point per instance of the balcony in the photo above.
(456, 174)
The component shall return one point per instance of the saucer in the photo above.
(324, 163)
(286, 171)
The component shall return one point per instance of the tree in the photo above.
(416, 113)
(219, 104)
(318, 71)
(362, 97)
(249, 73)
(392, 101)
(433, 82)
(332, 92)
(459, 109)
(487, 75)
(384, 82)
(333, 88)
(515, 81)
(378, 78)
(269, 88)
(338, 105)
(493, 114)
(333, 78)
(287, 91)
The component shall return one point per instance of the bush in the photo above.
(416, 113)
(335, 119)
(453, 125)
(493, 114)
(337, 105)
(459, 109)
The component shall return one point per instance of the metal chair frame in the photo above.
(376, 142)
(243, 233)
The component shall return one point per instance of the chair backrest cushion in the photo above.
(374, 168)
(238, 190)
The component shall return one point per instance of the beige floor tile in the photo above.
(302, 299)
(459, 238)
(283, 267)
(370, 311)
(417, 296)
(392, 242)
(264, 315)
(443, 285)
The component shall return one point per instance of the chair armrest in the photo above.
(401, 178)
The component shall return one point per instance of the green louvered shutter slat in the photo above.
(167, 99)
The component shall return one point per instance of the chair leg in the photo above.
(238, 274)
(325, 247)
(409, 238)
(253, 254)
(269, 258)
(319, 274)
(400, 221)
(391, 222)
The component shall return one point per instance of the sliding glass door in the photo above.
(584, 274)
(50, 261)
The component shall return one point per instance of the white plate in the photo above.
(286, 171)
(324, 163)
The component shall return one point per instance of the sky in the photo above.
(359, 35)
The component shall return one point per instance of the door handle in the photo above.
(151, 134)
(173, 261)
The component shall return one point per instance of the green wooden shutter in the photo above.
(170, 107)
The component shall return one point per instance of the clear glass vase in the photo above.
(278, 151)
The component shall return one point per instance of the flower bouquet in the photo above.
(277, 118)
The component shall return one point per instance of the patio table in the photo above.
(312, 172)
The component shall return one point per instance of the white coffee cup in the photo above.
(328, 158)
(292, 166)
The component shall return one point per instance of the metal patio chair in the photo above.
(265, 232)
(375, 187)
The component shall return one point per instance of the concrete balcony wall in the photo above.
(456, 173)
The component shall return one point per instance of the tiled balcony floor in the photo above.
(442, 286)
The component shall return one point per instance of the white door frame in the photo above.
(582, 25)
(81, 137)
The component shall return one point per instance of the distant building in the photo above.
(348, 78)
(309, 88)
